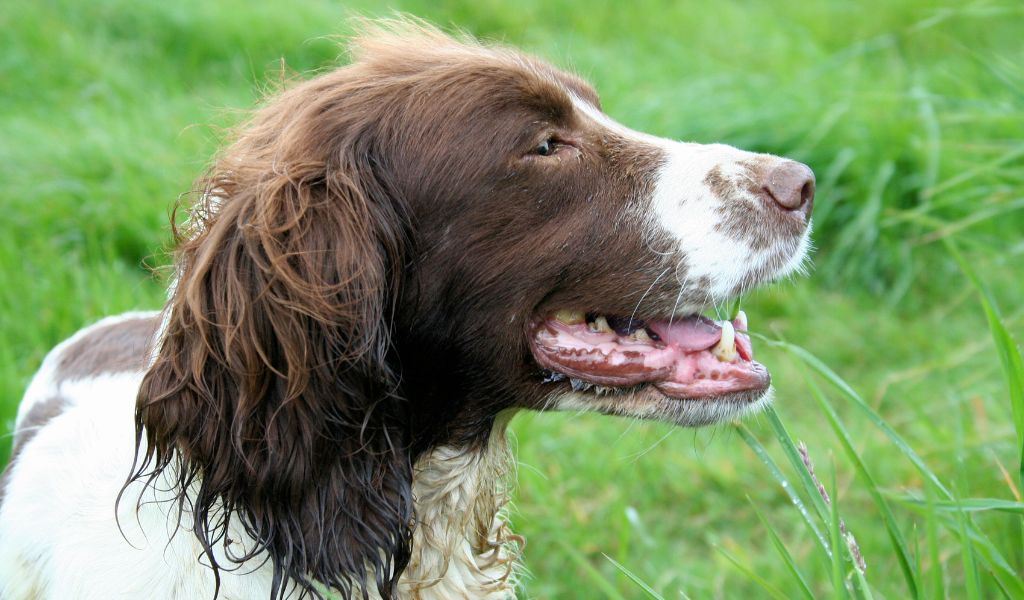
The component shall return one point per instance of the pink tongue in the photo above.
(691, 334)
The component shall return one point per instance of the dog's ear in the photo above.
(271, 401)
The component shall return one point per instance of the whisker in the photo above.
(651, 287)
(636, 456)
(679, 296)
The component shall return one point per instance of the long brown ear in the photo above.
(271, 402)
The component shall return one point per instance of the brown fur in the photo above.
(36, 418)
(755, 221)
(40, 414)
(356, 284)
(113, 348)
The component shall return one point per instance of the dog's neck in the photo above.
(462, 546)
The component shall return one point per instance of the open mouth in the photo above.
(688, 358)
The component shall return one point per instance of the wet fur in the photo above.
(347, 330)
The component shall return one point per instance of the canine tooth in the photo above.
(570, 317)
(600, 325)
(725, 349)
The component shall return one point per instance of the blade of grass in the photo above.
(842, 537)
(907, 565)
(945, 513)
(788, 487)
(1005, 592)
(862, 582)
(987, 550)
(1009, 353)
(595, 575)
(634, 578)
(772, 591)
(967, 175)
(944, 229)
(838, 582)
(970, 565)
(938, 588)
(793, 455)
(803, 466)
(967, 505)
(734, 308)
(780, 547)
(984, 552)
(848, 392)
(858, 234)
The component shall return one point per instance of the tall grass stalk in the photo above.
(1007, 348)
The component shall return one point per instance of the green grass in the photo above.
(895, 362)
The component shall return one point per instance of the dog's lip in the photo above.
(755, 378)
(684, 359)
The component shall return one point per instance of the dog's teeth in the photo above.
(641, 335)
(725, 349)
(600, 325)
(741, 321)
(570, 317)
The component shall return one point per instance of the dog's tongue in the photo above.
(690, 334)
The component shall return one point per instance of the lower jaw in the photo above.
(693, 392)
(651, 403)
(747, 378)
(694, 359)
(711, 389)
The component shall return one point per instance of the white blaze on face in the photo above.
(686, 208)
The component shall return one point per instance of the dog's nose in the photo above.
(791, 185)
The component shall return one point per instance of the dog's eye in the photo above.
(545, 148)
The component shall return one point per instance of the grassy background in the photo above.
(911, 113)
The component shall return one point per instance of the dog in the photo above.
(387, 262)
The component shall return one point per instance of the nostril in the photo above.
(791, 185)
(807, 197)
(807, 192)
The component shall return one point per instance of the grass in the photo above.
(896, 363)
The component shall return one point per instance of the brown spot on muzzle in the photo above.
(717, 182)
(750, 213)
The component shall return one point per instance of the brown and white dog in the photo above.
(388, 262)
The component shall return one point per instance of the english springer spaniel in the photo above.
(387, 263)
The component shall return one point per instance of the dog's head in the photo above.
(393, 253)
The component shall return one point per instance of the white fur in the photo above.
(59, 538)
(44, 385)
(462, 545)
(686, 208)
(57, 526)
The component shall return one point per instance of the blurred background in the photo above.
(900, 384)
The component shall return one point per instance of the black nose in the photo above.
(791, 185)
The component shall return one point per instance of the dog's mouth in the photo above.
(687, 358)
